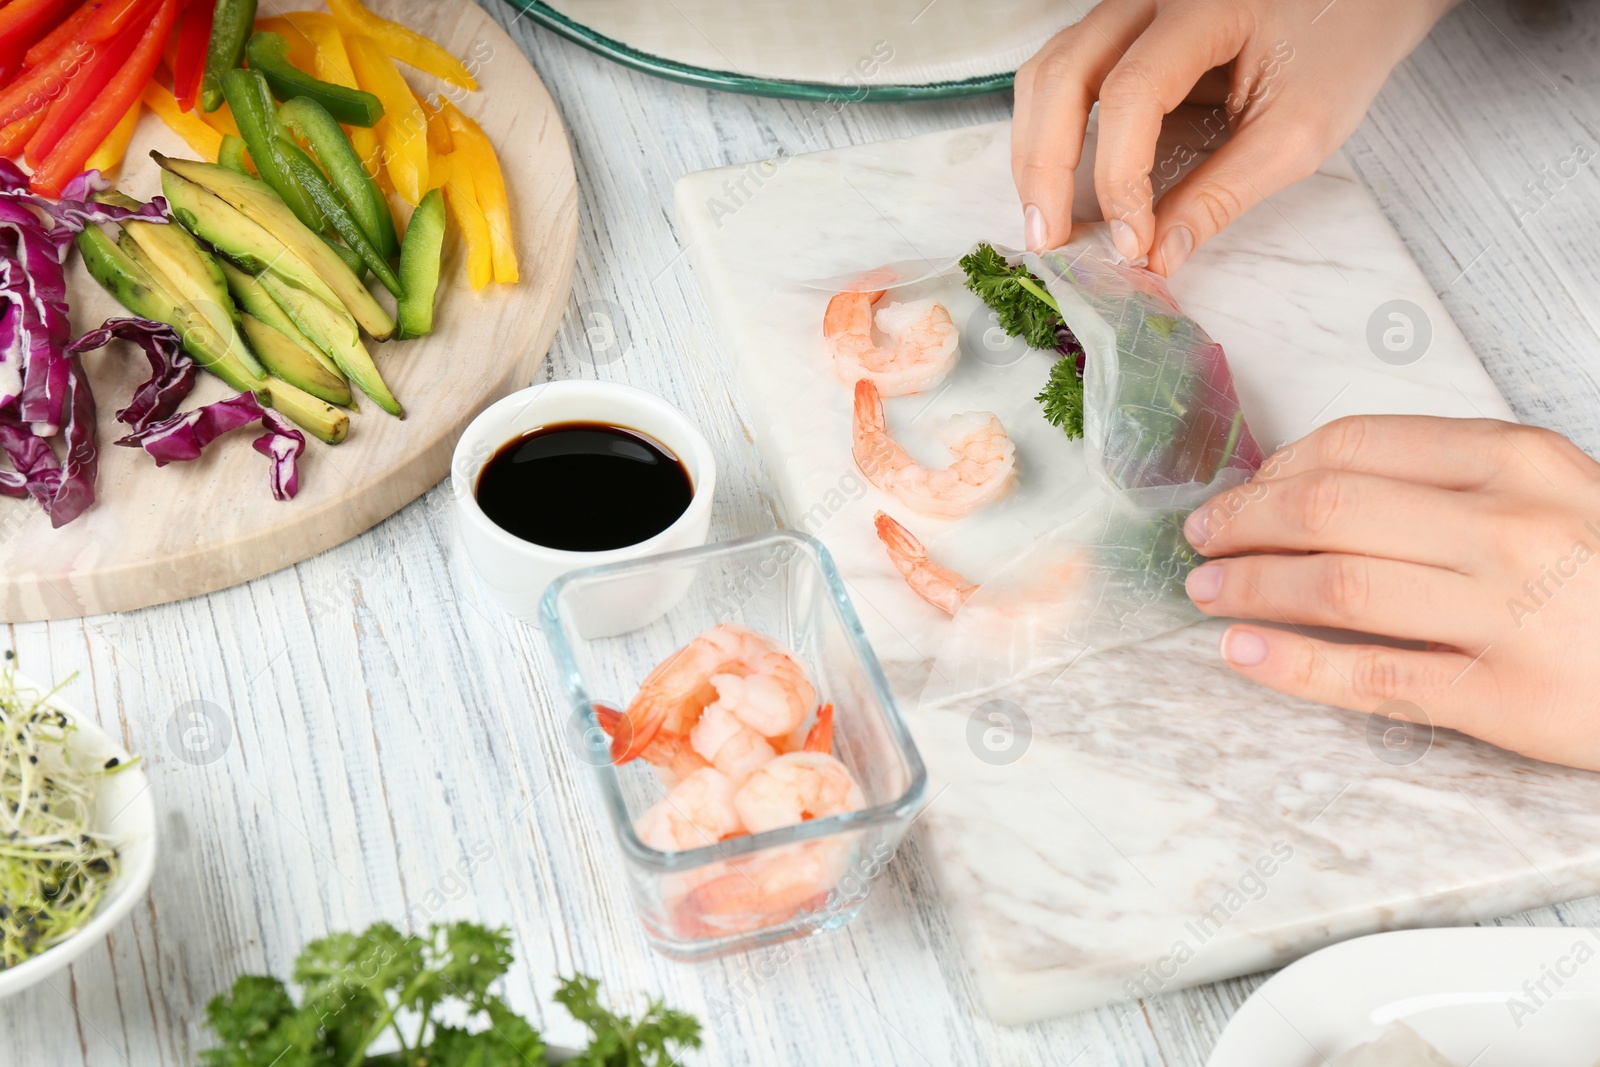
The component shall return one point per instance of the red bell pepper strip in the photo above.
(81, 91)
(39, 87)
(74, 149)
(14, 136)
(193, 36)
(23, 22)
(115, 17)
(47, 45)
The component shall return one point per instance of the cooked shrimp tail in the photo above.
(669, 752)
(820, 738)
(939, 586)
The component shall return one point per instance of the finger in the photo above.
(1258, 160)
(1054, 92)
(1159, 70)
(1337, 511)
(1445, 453)
(1449, 688)
(1375, 596)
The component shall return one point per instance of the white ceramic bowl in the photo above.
(125, 810)
(516, 572)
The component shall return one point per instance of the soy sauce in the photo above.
(584, 487)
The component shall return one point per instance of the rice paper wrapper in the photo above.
(1163, 432)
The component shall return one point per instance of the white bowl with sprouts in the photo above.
(113, 806)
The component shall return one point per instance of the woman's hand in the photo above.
(1299, 75)
(1478, 539)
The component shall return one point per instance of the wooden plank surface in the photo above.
(159, 534)
(384, 720)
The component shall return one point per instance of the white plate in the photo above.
(1475, 994)
(124, 809)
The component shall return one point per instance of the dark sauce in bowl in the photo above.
(584, 487)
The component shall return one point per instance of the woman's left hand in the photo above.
(1475, 538)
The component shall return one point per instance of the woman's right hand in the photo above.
(1299, 73)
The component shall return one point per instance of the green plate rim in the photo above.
(726, 81)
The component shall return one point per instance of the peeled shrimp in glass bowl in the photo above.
(745, 746)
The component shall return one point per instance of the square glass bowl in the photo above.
(753, 889)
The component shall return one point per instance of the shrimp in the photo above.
(926, 342)
(732, 746)
(795, 788)
(670, 753)
(674, 695)
(984, 468)
(820, 737)
(939, 586)
(762, 891)
(696, 812)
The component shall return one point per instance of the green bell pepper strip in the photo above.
(253, 109)
(231, 24)
(322, 193)
(269, 53)
(351, 260)
(313, 122)
(419, 266)
(231, 155)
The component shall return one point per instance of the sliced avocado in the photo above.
(257, 201)
(195, 278)
(254, 300)
(300, 366)
(237, 237)
(320, 418)
(331, 330)
(148, 296)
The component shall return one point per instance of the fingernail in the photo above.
(1123, 237)
(1197, 528)
(1244, 648)
(1033, 228)
(1204, 583)
(1175, 248)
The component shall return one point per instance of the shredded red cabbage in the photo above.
(282, 444)
(64, 491)
(172, 372)
(184, 437)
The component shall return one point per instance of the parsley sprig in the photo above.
(1025, 309)
(358, 987)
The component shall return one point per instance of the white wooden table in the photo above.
(378, 727)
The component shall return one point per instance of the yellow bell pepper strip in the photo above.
(115, 146)
(403, 130)
(186, 124)
(221, 119)
(472, 148)
(329, 60)
(439, 139)
(232, 22)
(463, 200)
(269, 53)
(66, 160)
(402, 42)
(302, 53)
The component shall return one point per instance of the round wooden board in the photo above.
(161, 534)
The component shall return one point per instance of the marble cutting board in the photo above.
(1145, 820)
